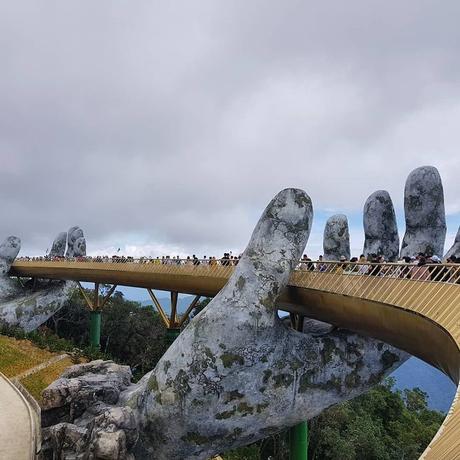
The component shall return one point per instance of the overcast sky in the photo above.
(166, 127)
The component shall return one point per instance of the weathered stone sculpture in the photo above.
(58, 247)
(76, 244)
(424, 212)
(237, 373)
(380, 227)
(336, 242)
(9, 249)
(23, 306)
(455, 249)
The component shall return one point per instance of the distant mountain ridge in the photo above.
(182, 303)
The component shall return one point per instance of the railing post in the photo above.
(298, 434)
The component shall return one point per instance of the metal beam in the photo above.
(104, 300)
(159, 308)
(189, 310)
(87, 299)
(173, 316)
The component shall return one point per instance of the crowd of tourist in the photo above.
(422, 267)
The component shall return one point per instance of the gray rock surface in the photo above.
(455, 249)
(237, 373)
(76, 244)
(29, 309)
(380, 227)
(58, 247)
(424, 213)
(25, 306)
(9, 250)
(82, 419)
(336, 242)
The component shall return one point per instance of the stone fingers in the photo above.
(424, 213)
(58, 246)
(455, 249)
(76, 243)
(380, 227)
(9, 250)
(336, 242)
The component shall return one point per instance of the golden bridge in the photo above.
(420, 314)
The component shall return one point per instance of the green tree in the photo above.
(382, 424)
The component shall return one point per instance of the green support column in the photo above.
(298, 435)
(298, 442)
(95, 329)
(172, 334)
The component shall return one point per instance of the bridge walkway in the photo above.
(17, 423)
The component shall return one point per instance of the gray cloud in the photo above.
(171, 125)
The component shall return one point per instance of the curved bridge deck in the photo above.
(420, 316)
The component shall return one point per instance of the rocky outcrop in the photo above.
(58, 247)
(83, 421)
(380, 227)
(76, 243)
(424, 213)
(455, 249)
(230, 375)
(336, 242)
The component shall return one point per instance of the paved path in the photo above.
(17, 441)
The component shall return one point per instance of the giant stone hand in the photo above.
(29, 307)
(236, 374)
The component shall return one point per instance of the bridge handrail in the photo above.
(440, 272)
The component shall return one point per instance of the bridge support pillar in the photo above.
(95, 306)
(298, 434)
(95, 329)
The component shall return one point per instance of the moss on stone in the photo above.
(226, 414)
(152, 385)
(232, 395)
(195, 438)
(240, 283)
(353, 379)
(229, 359)
(267, 375)
(388, 359)
(282, 380)
(328, 349)
(244, 409)
(305, 381)
(261, 407)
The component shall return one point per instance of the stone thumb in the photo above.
(274, 250)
